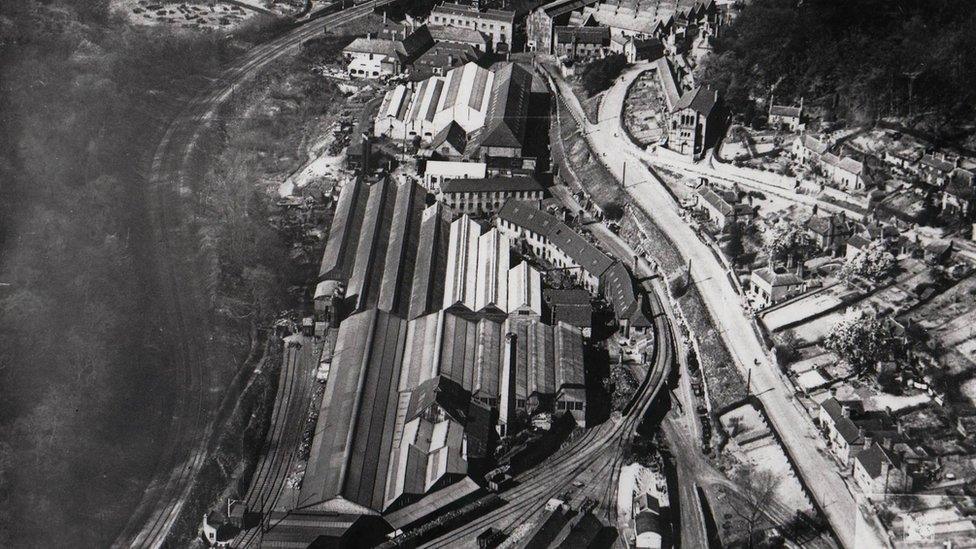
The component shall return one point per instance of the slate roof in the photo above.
(844, 425)
(777, 280)
(467, 35)
(503, 16)
(701, 100)
(559, 234)
(872, 459)
(584, 35)
(813, 144)
(381, 46)
(527, 216)
(452, 134)
(785, 111)
(830, 225)
(490, 184)
(937, 163)
(507, 107)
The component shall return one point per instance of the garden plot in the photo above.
(197, 15)
(644, 109)
(814, 304)
(752, 441)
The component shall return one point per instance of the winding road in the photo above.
(174, 164)
(793, 425)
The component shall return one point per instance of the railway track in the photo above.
(171, 168)
(281, 444)
(556, 476)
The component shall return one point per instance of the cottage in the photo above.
(935, 169)
(880, 471)
(723, 207)
(582, 43)
(371, 58)
(843, 436)
(830, 233)
(767, 287)
(938, 252)
(637, 49)
(808, 149)
(786, 116)
(844, 171)
(959, 195)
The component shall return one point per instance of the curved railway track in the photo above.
(555, 476)
(171, 168)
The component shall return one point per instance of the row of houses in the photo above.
(627, 24)
(844, 171)
(550, 239)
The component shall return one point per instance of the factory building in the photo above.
(441, 343)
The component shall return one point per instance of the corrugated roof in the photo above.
(428, 280)
(508, 107)
(338, 259)
(367, 272)
(401, 252)
(351, 447)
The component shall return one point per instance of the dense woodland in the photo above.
(860, 60)
(86, 391)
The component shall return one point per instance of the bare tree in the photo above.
(757, 492)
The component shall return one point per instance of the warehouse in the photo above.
(487, 195)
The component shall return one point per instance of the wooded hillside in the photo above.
(859, 59)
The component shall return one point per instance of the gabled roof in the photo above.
(701, 100)
(466, 35)
(938, 163)
(873, 458)
(785, 111)
(829, 225)
(452, 134)
(382, 46)
(446, 393)
(504, 16)
(527, 216)
(777, 280)
(507, 107)
(585, 35)
(811, 143)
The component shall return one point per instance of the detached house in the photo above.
(830, 232)
(723, 208)
(370, 57)
(785, 116)
(843, 436)
(768, 288)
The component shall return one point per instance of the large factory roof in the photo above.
(348, 461)
(340, 249)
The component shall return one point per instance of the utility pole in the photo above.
(624, 178)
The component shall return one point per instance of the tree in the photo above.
(786, 241)
(598, 75)
(874, 264)
(861, 339)
(734, 248)
(757, 492)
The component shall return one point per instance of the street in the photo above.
(795, 427)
